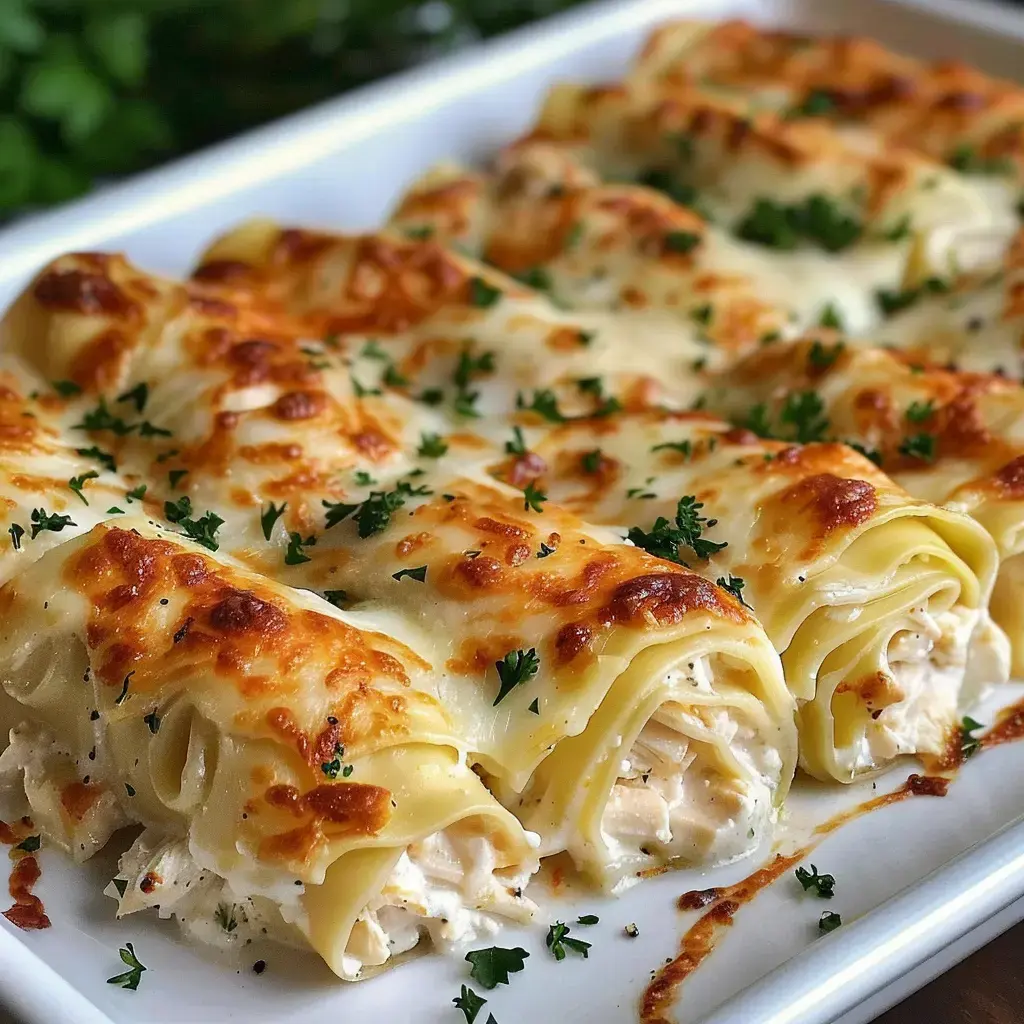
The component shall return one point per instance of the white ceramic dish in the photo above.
(919, 884)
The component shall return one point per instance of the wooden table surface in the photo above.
(986, 988)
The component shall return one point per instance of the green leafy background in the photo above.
(93, 89)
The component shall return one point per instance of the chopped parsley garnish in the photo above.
(269, 517)
(371, 350)
(17, 532)
(392, 378)
(138, 394)
(136, 493)
(702, 314)
(66, 388)
(76, 483)
(966, 159)
(105, 459)
(535, 277)
(121, 885)
(921, 446)
(225, 916)
(586, 337)
(802, 411)
(146, 429)
(516, 668)
(534, 706)
(202, 530)
(873, 454)
(685, 448)
(544, 402)
(558, 940)
(492, 966)
(374, 514)
(588, 919)
(890, 302)
(823, 885)
(735, 585)
(360, 391)
(153, 721)
(664, 540)
(590, 462)
(469, 1003)
(918, 412)
(898, 231)
(481, 294)
(123, 695)
(432, 396)
(419, 574)
(431, 446)
(115, 511)
(682, 242)
(545, 550)
(817, 219)
(816, 103)
(43, 520)
(339, 598)
(533, 498)
(969, 743)
(829, 922)
(821, 357)
(831, 317)
(101, 418)
(131, 978)
(29, 845)
(466, 369)
(333, 768)
(517, 446)
(295, 555)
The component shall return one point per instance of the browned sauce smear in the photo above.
(28, 911)
(723, 903)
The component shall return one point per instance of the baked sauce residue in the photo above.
(722, 903)
(27, 911)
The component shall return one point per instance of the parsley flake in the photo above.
(66, 388)
(829, 922)
(203, 530)
(43, 520)
(136, 493)
(17, 532)
(105, 459)
(823, 885)
(493, 965)
(431, 446)
(139, 395)
(295, 555)
(517, 446)
(735, 585)
(29, 845)
(481, 294)
(131, 978)
(76, 483)
(469, 1003)
(374, 514)
(590, 462)
(175, 476)
(533, 498)
(558, 940)
(664, 539)
(516, 668)
(969, 743)
(419, 574)
(921, 446)
(269, 517)
(338, 598)
(153, 721)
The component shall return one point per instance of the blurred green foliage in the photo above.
(98, 88)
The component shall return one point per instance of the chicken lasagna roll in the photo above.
(877, 602)
(954, 438)
(286, 760)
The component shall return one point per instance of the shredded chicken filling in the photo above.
(676, 799)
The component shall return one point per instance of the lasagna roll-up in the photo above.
(945, 109)
(568, 657)
(288, 763)
(954, 438)
(876, 601)
(798, 188)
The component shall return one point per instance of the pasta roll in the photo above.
(287, 759)
(877, 602)
(952, 438)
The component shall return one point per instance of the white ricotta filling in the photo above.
(929, 662)
(673, 800)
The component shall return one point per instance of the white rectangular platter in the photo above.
(912, 878)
